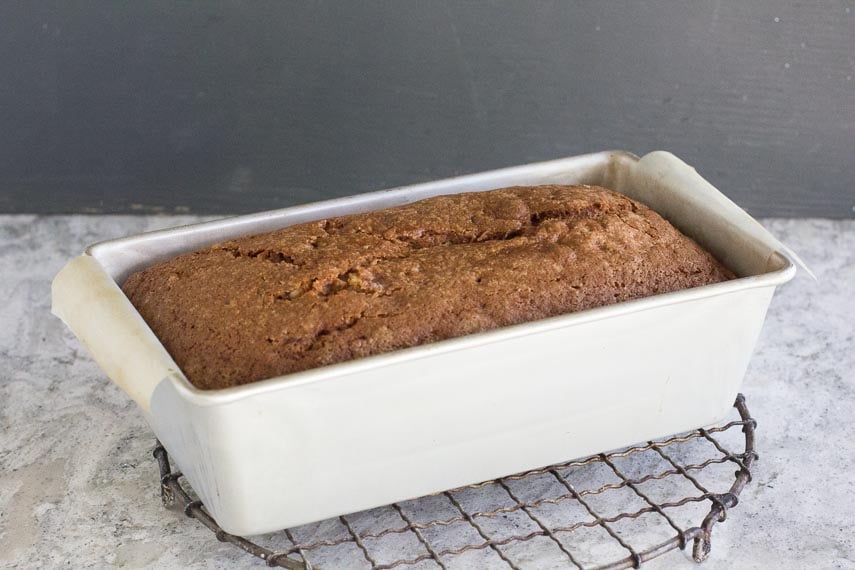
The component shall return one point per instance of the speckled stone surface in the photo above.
(78, 486)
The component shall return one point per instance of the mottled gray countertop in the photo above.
(78, 486)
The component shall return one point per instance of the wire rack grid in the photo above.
(442, 541)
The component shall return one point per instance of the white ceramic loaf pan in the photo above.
(355, 435)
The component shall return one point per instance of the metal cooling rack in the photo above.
(549, 508)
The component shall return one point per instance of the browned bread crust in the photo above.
(333, 290)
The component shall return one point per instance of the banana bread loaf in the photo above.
(342, 288)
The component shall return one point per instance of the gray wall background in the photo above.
(228, 107)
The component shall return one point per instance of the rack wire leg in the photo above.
(167, 497)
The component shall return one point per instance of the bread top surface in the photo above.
(329, 291)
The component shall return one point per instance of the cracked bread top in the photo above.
(342, 288)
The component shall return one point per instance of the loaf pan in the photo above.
(315, 444)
